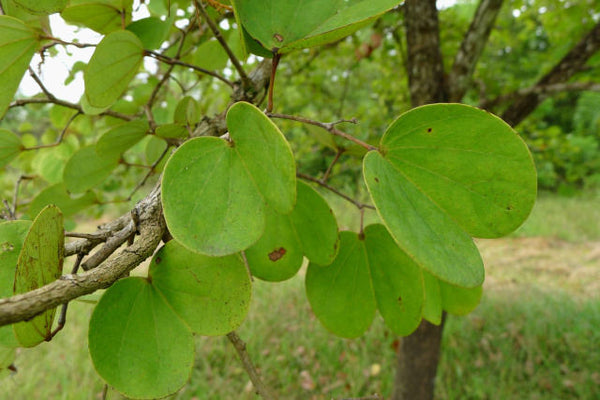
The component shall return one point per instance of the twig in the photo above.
(335, 160)
(65, 43)
(110, 246)
(328, 126)
(150, 172)
(239, 345)
(41, 84)
(102, 236)
(172, 61)
(62, 318)
(13, 213)
(274, 64)
(217, 32)
(358, 204)
(60, 137)
(110, 113)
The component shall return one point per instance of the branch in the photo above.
(109, 113)
(328, 126)
(471, 48)
(172, 61)
(68, 287)
(358, 204)
(570, 64)
(240, 347)
(541, 91)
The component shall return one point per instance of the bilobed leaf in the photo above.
(172, 131)
(211, 56)
(423, 231)
(40, 262)
(397, 281)
(50, 163)
(151, 31)
(43, 7)
(210, 294)
(120, 138)
(11, 9)
(341, 294)
(137, 343)
(310, 230)
(186, 112)
(58, 195)
(12, 236)
(18, 43)
(459, 301)
(10, 146)
(432, 306)
(214, 191)
(315, 226)
(86, 169)
(277, 256)
(103, 16)
(294, 24)
(469, 162)
(114, 63)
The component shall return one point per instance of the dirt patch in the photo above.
(544, 263)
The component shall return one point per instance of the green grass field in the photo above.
(535, 335)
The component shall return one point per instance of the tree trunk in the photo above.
(419, 353)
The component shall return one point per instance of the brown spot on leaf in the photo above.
(399, 299)
(429, 130)
(277, 254)
(157, 260)
(509, 208)
(376, 179)
(278, 37)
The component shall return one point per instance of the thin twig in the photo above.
(13, 213)
(217, 32)
(358, 204)
(330, 168)
(62, 318)
(65, 43)
(60, 137)
(150, 172)
(172, 61)
(110, 113)
(41, 84)
(275, 63)
(239, 345)
(102, 236)
(328, 126)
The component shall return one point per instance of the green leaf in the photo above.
(18, 44)
(50, 163)
(315, 226)
(341, 294)
(460, 301)
(432, 307)
(85, 169)
(12, 236)
(469, 162)
(172, 131)
(103, 16)
(211, 56)
(151, 31)
(120, 138)
(40, 22)
(58, 195)
(40, 262)
(7, 357)
(212, 295)
(397, 281)
(10, 146)
(137, 343)
(295, 24)
(186, 112)
(277, 256)
(214, 191)
(114, 63)
(423, 231)
(43, 7)
(310, 230)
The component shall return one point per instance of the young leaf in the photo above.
(18, 43)
(137, 343)
(214, 191)
(294, 24)
(12, 236)
(114, 63)
(43, 7)
(186, 112)
(85, 169)
(103, 16)
(210, 294)
(397, 281)
(341, 294)
(40, 262)
(120, 138)
(310, 230)
(10, 146)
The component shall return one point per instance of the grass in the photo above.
(534, 336)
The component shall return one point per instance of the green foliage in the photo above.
(40, 262)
